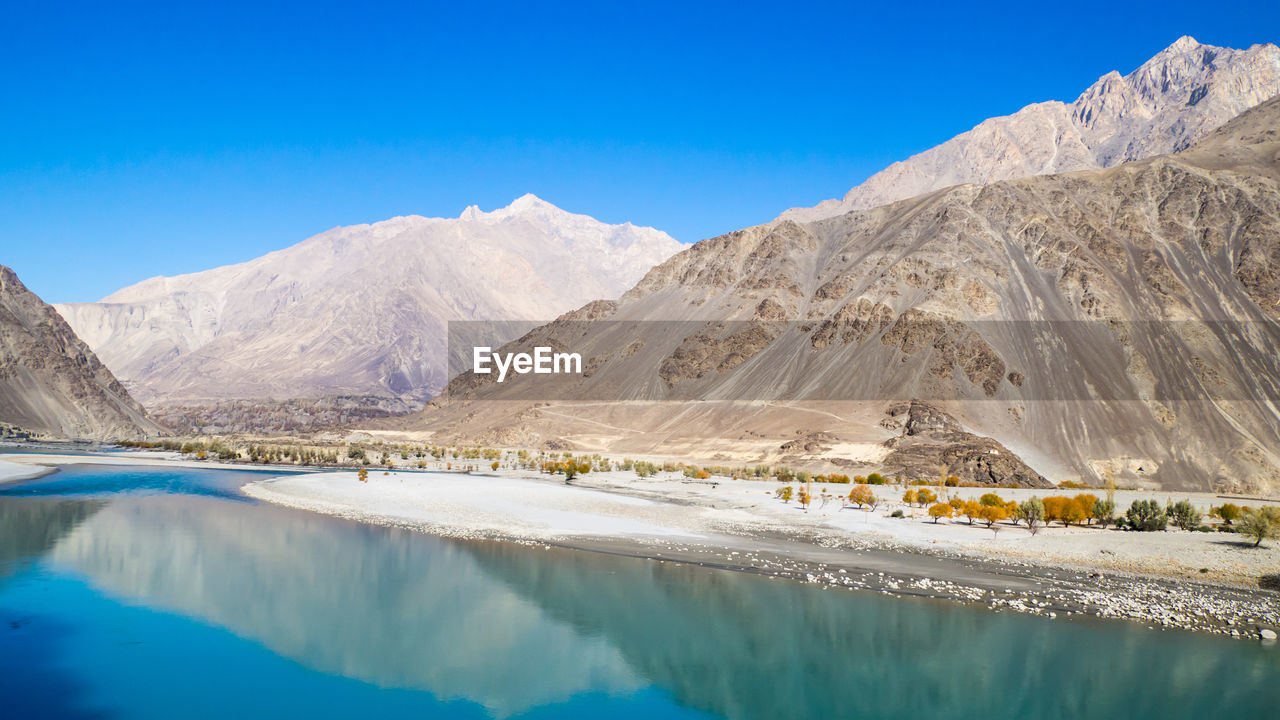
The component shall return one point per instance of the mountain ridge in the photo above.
(361, 309)
(1176, 97)
(1117, 324)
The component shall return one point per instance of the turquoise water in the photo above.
(162, 593)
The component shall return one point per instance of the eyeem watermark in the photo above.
(541, 362)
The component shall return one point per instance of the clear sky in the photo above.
(138, 140)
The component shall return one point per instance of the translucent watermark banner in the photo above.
(866, 358)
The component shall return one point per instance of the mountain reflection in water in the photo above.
(516, 628)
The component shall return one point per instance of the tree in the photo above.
(1229, 512)
(1011, 511)
(992, 514)
(804, 499)
(1184, 515)
(938, 511)
(1053, 507)
(991, 500)
(1104, 511)
(862, 495)
(1071, 512)
(1086, 503)
(972, 509)
(909, 497)
(492, 466)
(1032, 513)
(1260, 524)
(784, 493)
(1146, 516)
(875, 479)
(363, 475)
(924, 496)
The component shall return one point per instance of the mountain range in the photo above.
(1078, 290)
(1118, 324)
(359, 310)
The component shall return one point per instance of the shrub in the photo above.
(1146, 516)
(1184, 515)
(875, 479)
(1260, 524)
(784, 493)
(897, 514)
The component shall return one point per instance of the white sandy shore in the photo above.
(527, 505)
(458, 504)
(618, 505)
(15, 471)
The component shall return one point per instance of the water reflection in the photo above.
(30, 528)
(514, 628)
(743, 646)
(390, 607)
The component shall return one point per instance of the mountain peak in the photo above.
(525, 204)
(1183, 44)
(528, 201)
(1167, 104)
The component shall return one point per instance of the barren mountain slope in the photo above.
(1114, 323)
(50, 381)
(359, 310)
(1174, 99)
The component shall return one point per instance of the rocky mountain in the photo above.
(50, 381)
(361, 310)
(1117, 324)
(1173, 100)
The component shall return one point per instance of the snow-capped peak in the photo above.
(524, 205)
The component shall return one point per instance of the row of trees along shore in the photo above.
(1084, 509)
(989, 510)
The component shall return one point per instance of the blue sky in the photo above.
(138, 140)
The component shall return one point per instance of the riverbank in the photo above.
(1153, 578)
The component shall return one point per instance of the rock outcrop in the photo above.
(51, 382)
